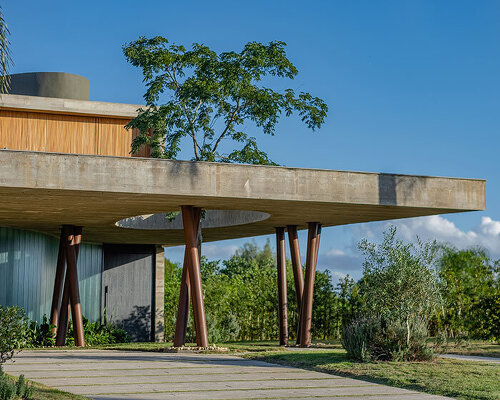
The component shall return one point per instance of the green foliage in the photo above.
(241, 303)
(400, 291)
(40, 335)
(23, 389)
(13, 326)
(96, 333)
(471, 293)
(375, 338)
(20, 389)
(7, 388)
(211, 97)
(399, 280)
(5, 59)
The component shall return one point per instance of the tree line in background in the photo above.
(422, 288)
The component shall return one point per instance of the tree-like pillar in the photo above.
(185, 293)
(298, 275)
(282, 293)
(190, 236)
(307, 299)
(72, 246)
(58, 284)
(71, 295)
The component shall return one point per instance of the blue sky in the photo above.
(412, 87)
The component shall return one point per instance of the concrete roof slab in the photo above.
(41, 191)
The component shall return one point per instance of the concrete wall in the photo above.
(127, 289)
(159, 295)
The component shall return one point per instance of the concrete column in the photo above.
(159, 295)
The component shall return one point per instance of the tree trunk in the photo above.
(407, 331)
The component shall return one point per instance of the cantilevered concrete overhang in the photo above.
(42, 191)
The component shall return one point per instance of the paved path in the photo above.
(147, 376)
(490, 360)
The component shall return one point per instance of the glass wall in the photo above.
(27, 271)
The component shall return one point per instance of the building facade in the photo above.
(83, 219)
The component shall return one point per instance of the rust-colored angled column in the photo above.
(72, 239)
(282, 293)
(318, 237)
(183, 306)
(62, 324)
(64, 310)
(185, 293)
(58, 284)
(72, 247)
(298, 276)
(190, 236)
(307, 299)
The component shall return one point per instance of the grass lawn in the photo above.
(43, 392)
(236, 347)
(472, 348)
(458, 379)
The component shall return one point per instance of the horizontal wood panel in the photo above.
(59, 133)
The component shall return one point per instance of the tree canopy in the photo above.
(5, 59)
(212, 97)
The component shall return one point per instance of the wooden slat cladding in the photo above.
(21, 130)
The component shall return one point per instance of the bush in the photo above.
(40, 335)
(376, 338)
(13, 326)
(10, 389)
(225, 330)
(97, 334)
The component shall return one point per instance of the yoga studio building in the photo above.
(83, 226)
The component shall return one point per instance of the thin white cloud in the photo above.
(486, 234)
(218, 252)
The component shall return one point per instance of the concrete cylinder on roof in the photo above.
(50, 84)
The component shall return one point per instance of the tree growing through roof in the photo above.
(5, 58)
(212, 97)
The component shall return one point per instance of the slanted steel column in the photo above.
(72, 247)
(185, 292)
(190, 236)
(298, 275)
(307, 299)
(282, 293)
(58, 285)
(71, 296)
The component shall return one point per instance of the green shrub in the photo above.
(23, 389)
(40, 335)
(376, 338)
(13, 325)
(97, 334)
(20, 389)
(225, 330)
(7, 388)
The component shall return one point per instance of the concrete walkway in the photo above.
(490, 360)
(147, 376)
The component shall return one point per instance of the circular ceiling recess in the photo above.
(210, 219)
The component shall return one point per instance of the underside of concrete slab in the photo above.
(42, 191)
